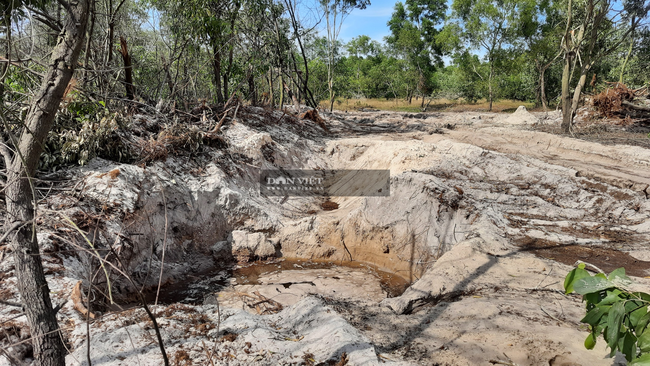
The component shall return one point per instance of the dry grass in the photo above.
(400, 105)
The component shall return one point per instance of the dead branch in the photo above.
(637, 107)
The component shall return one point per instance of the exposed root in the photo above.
(78, 302)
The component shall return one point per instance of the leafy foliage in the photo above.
(82, 131)
(619, 315)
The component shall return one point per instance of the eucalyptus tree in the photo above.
(26, 140)
(594, 29)
(357, 48)
(214, 24)
(414, 28)
(494, 25)
(335, 12)
(542, 46)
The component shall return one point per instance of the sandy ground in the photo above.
(486, 216)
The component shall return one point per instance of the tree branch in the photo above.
(13, 227)
(68, 8)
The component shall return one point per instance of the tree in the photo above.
(492, 26)
(214, 24)
(413, 38)
(335, 12)
(357, 48)
(593, 39)
(28, 144)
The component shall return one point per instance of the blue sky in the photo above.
(370, 21)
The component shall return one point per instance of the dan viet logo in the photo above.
(295, 183)
(325, 182)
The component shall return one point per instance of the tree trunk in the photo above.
(216, 70)
(252, 93)
(542, 89)
(627, 57)
(281, 90)
(567, 117)
(89, 39)
(128, 69)
(5, 66)
(168, 76)
(109, 49)
(271, 99)
(490, 91)
(578, 90)
(33, 288)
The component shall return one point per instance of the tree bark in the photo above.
(89, 38)
(542, 89)
(128, 69)
(33, 288)
(216, 70)
(567, 118)
(491, 92)
(252, 93)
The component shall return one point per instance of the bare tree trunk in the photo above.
(271, 99)
(627, 57)
(309, 97)
(7, 65)
(33, 288)
(111, 33)
(252, 93)
(168, 76)
(89, 38)
(281, 89)
(128, 70)
(491, 92)
(567, 118)
(542, 89)
(216, 69)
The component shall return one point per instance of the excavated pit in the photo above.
(465, 258)
(285, 280)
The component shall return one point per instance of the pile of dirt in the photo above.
(521, 116)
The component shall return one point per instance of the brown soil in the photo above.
(602, 131)
(606, 259)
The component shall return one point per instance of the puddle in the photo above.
(291, 278)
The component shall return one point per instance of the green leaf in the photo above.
(636, 315)
(590, 342)
(614, 321)
(612, 297)
(642, 324)
(588, 285)
(644, 341)
(573, 276)
(619, 278)
(627, 346)
(593, 316)
(644, 360)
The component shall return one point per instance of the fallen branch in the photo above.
(636, 107)
(223, 119)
